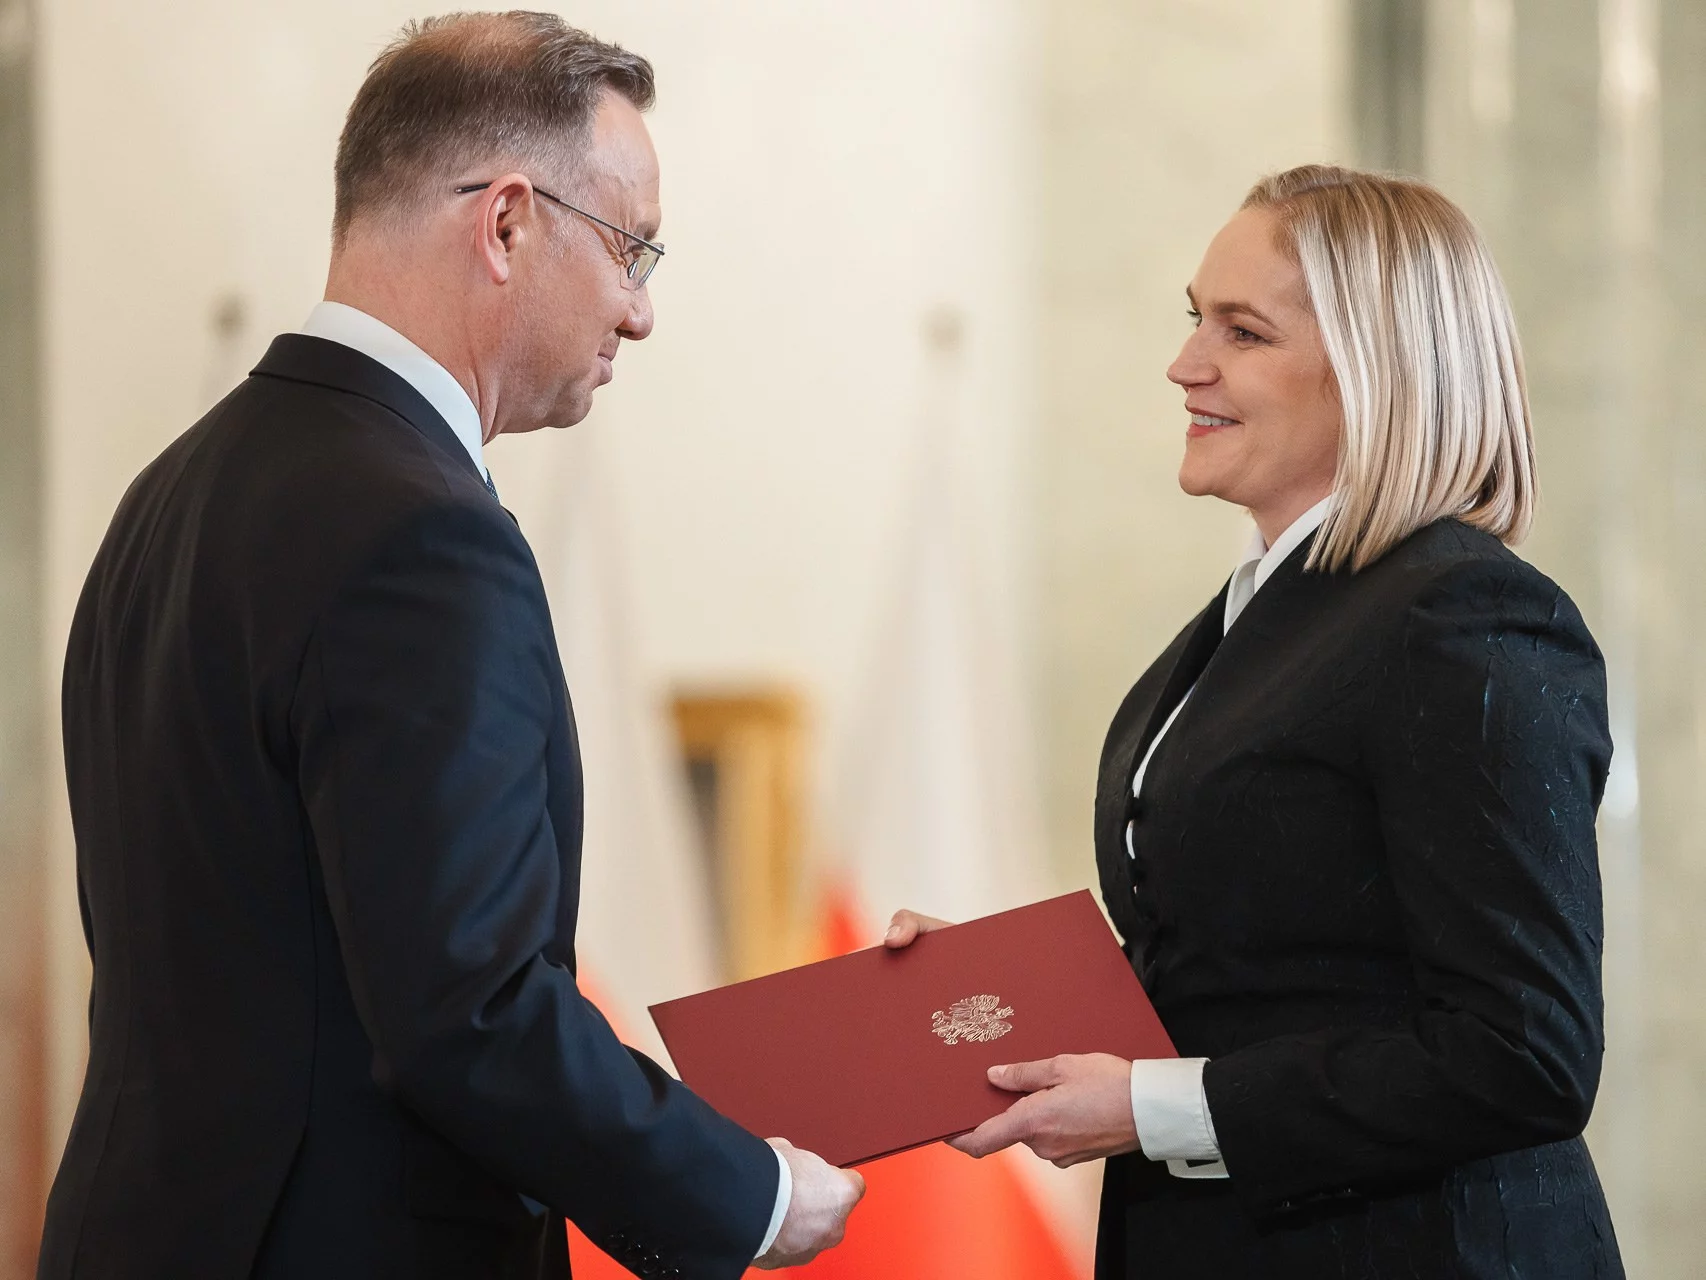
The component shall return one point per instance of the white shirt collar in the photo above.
(1260, 560)
(377, 340)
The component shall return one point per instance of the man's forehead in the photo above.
(633, 203)
(621, 144)
(621, 161)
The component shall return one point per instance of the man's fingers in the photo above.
(824, 1198)
(1027, 1077)
(966, 1144)
(905, 927)
(995, 1134)
(853, 1190)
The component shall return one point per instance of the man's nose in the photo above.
(638, 322)
(1192, 368)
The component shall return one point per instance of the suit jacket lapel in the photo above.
(320, 362)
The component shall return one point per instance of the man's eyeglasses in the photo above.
(644, 260)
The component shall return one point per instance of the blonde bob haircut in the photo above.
(1418, 329)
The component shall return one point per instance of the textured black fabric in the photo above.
(327, 799)
(1366, 888)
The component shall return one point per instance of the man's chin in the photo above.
(574, 414)
(554, 420)
(570, 411)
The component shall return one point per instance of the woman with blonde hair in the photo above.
(1345, 822)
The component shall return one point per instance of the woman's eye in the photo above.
(1195, 318)
(1240, 334)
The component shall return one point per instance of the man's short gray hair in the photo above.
(473, 89)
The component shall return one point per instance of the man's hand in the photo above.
(906, 926)
(817, 1214)
(1077, 1107)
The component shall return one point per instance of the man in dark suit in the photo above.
(323, 768)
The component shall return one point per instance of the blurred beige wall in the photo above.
(837, 177)
(1575, 132)
(1157, 118)
(184, 155)
(22, 773)
(834, 177)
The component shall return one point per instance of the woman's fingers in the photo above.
(907, 925)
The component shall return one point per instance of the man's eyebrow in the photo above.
(1224, 309)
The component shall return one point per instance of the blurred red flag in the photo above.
(932, 1213)
(929, 1214)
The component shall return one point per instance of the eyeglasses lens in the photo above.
(640, 270)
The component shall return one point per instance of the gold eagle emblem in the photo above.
(976, 1019)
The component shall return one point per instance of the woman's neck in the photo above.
(1272, 520)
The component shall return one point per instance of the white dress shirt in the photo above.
(374, 338)
(1168, 1103)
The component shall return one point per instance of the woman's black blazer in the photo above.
(1365, 887)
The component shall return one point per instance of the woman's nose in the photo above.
(1191, 368)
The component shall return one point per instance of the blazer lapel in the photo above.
(1136, 726)
(1193, 660)
(1188, 664)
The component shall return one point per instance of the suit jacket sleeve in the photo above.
(422, 717)
(1487, 749)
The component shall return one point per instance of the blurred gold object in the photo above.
(745, 755)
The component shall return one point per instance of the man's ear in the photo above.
(507, 216)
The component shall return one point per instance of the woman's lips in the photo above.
(1204, 424)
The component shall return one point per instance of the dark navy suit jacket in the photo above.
(327, 799)
(1365, 887)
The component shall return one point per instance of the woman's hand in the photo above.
(1076, 1107)
(907, 925)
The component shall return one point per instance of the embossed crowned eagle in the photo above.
(975, 1020)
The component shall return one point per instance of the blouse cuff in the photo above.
(1170, 1110)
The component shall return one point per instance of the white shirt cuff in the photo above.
(784, 1197)
(1170, 1110)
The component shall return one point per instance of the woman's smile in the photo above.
(1203, 424)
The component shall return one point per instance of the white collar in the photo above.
(1260, 560)
(377, 340)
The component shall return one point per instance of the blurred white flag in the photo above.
(938, 807)
(645, 933)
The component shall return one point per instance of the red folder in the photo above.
(879, 1051)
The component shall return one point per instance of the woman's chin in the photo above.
(1199, 482)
